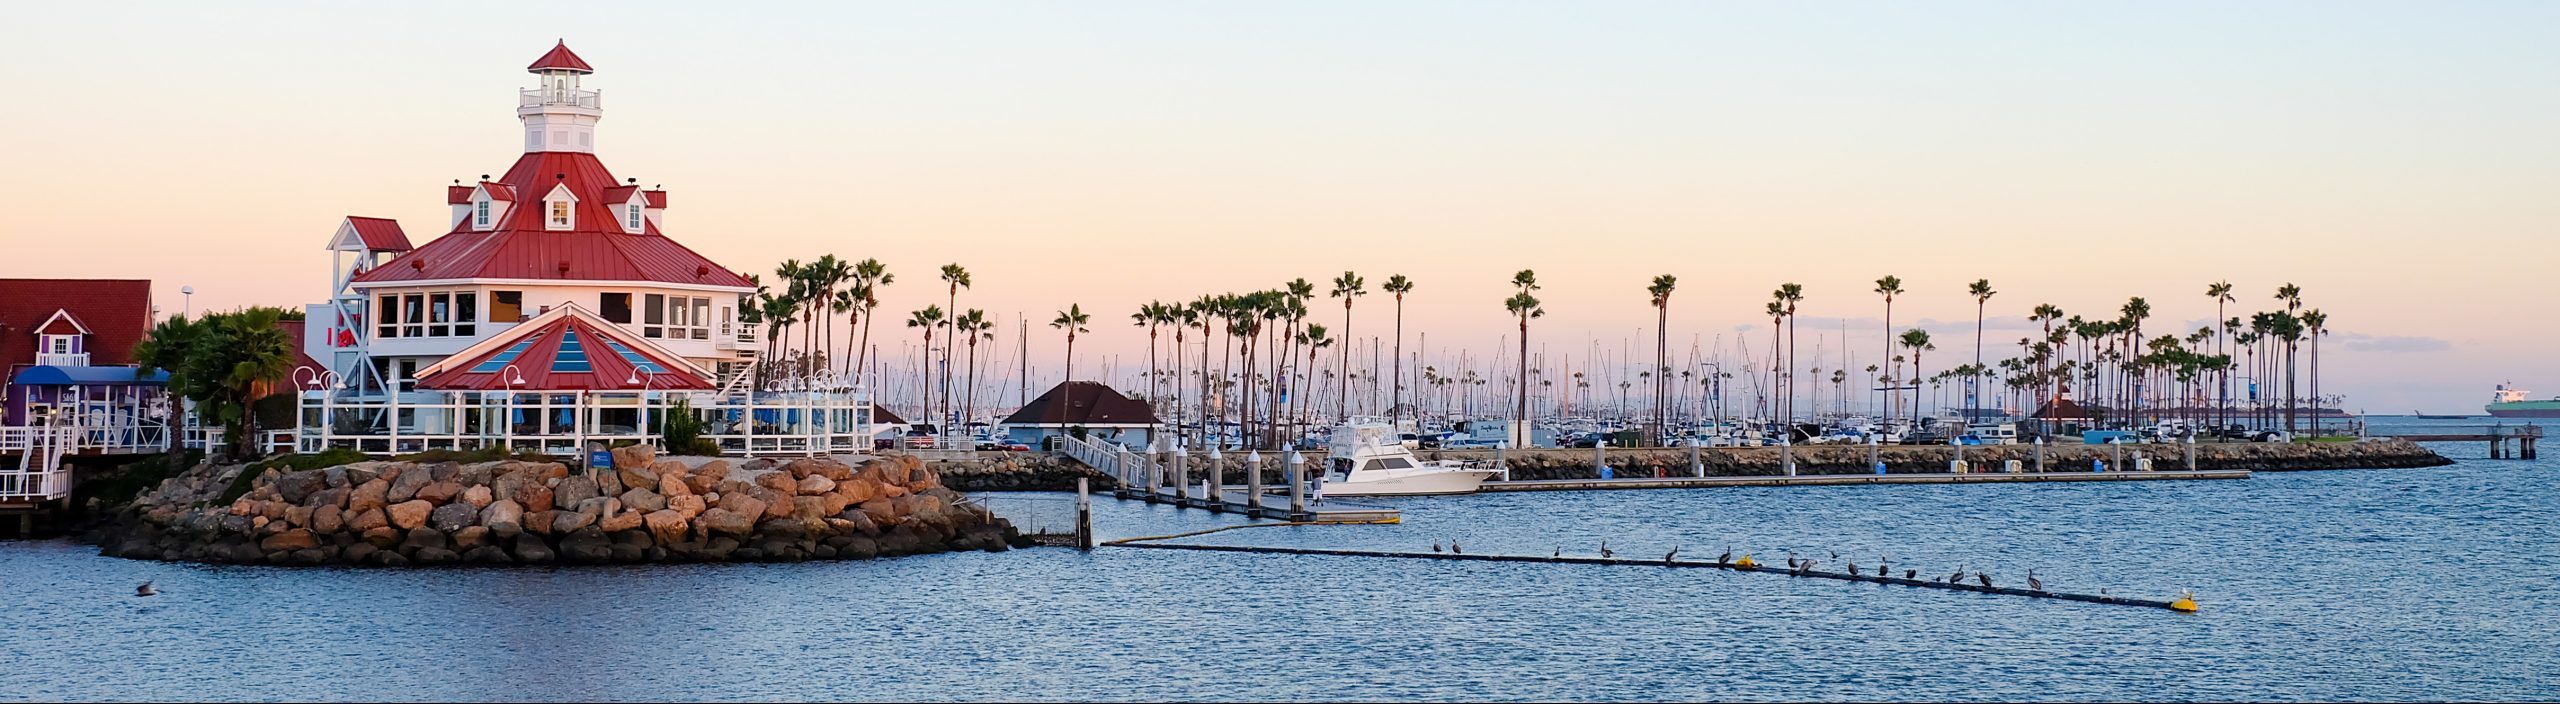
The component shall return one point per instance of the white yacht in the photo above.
(1368, 459)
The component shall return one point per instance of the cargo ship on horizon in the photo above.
(2513, 402)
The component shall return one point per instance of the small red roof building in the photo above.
(115, 313)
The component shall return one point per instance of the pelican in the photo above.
(1882, 562)
(2033, 583)
(1984, 578)
(1908, 573)
(1675, 552)
(145, 590)
(1559, 552)
(1958, 577)
(1435, 546)
(1453, 547)
(1726, 558)
(1604, 550)
(1853, 569)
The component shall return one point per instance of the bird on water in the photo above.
(1453, 547)
(1726, 558)
(1604, 550)
(145, 590)
(2033, 583)
(1667, 557)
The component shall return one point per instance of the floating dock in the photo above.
(2182, 604)
(1139, 477)
(1855, 479)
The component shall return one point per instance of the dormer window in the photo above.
(631, 217)
(480, 214)
(559, 215)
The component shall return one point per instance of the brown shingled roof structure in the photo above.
(1083, 403)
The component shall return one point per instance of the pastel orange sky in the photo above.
(2396, 160)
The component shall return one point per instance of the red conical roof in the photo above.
(560, 59)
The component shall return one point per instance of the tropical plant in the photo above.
(1072, 320)
(1917, 341)
(1981, 291)
(926, 320)
(1890, 286)
(1524, 305)
(1398, 285)
(1660, 293)
(224, 363)
(1348, 286)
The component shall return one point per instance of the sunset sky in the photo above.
(2399, 161)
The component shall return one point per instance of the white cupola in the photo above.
(558, 115)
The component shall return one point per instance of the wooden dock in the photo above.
(2526, 438)
(1857, 479)
(1139, 477)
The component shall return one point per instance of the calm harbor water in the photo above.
(2369, 585)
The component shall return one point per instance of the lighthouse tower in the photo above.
(558, 115)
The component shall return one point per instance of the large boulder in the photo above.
(814, 485)
(530, 548)
(289, 540)
(367, 520)
(858, 489)
(382, 536)
(620, 521)
(470, 537)
(333, 496)
(453, 517)
(297, 516)
(671, 479)
(294, 487)
(328, 519)
(721, 521)
(534, 497)
(406, 487)
(565, 522)
(779, 481)
(808, 508)
(478, 497)
(503, 517)
(686, 505)
(643, 500)
(586, 545)
(708, 477)
(486, 555)
(369, 494)
(667, 526)
(409, 514)
(635, 476)
(440, 492)
(640, 455)
(573, 490)
(743, 504)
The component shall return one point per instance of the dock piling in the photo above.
(1787, 455)
(2039, 455)
(1181, 476)
(1253, 484)
(1697, 467)
(1956, 467)
(2191, 453)
(1297, 487)
(1084, 515)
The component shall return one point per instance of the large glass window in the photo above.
(413, 315)
(466, 313)
(388, 322)
(702, 318)
(615, 307)
(506, 306)
(439, 314)
(653, 315)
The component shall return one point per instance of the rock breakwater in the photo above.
(646, 509)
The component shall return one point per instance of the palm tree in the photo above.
(1313, 337)
(1890, 286)
(2292, 297)
(1981, 290)
(1398, 285)
(1791, 294)
(1917, 341)
(1777, 310)
(928, 319)
(974, 326)
(2045, 314)
(2317, 324)
(2220, 292)
(1072, 320)
(1661, 290)
(1149, 315)
(872, 274)
(958, 278)
(1523, 304)
(1347, 287)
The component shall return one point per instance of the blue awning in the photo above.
(87, 376)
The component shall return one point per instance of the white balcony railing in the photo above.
(741, 336)
(536, 97)
(79, 359)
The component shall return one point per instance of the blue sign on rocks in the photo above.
(600, 459)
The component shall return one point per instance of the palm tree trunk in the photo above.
(1395, 409)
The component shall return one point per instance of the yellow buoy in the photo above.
(2185, 602)
(1745, 562)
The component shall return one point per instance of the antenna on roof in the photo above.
(484, 177)
(457, 182)
(633, 180)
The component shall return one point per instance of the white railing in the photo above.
(741, 336)
(39, 474)
(533, 97)
(75, 359)
(564, 423)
